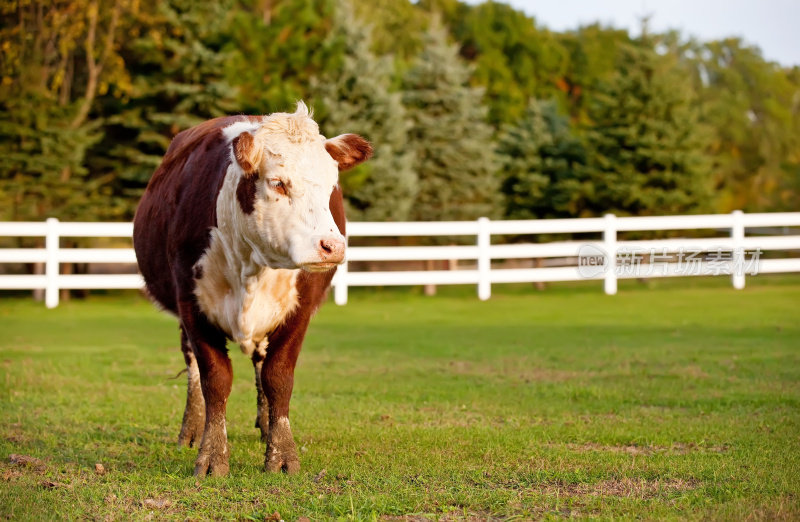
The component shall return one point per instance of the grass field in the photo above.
(681, 400)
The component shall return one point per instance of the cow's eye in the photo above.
(277, 185)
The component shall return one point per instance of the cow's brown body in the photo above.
(171, 232)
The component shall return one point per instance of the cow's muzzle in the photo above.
(330, 252)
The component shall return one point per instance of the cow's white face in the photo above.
(288, 172)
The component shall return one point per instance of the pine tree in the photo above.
(540, 158)
(452, 141)
(645, 147)
(176, 64)
(356, 97)
(277, 47)
(57, 59)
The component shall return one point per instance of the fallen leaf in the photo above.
(320, 475)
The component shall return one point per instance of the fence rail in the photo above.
(735, 253)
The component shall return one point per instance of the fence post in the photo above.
(484, 259)
(340, 278)
(610, 243)
(51, 266)
(737, 257)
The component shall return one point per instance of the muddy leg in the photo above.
(216, 376)
(262, 412)
(194, 416)
(277, 379)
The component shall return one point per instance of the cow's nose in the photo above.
(331, 249)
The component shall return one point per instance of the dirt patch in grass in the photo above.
(444, 517)
(15, 434)
(580, 497)
(624, 487)
(521, 370)
(25, 461)
(677, 448)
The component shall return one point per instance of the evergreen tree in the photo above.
(514, 59)
(277, 47)
(176, 64)
(397, 26)
(592, 56)
(57, 58)
(645, 148)
(355, 97)
(449, 134)
(540, 159)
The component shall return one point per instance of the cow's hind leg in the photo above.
(262, 412)
(216, 377)
(194, 416)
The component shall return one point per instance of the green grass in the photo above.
(681, 400)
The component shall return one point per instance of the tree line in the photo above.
(474, 110)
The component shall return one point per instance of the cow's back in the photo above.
(178, 208)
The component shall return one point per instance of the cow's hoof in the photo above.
(191, 433)
(194, 419)
(281, 452)
(213, 464)
(286, 462)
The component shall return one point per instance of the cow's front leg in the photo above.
(194, 416)
(216, 376)
(277, 379)
(262, 409)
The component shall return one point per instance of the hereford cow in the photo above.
(238, 234)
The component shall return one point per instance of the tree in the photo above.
(58, 57)
(592, 54)
(397, 26)
(752, 106)
(513, 58)
(540, 160)
(277, 47)
(644, 144)
(449, 134)
(176, 63)
(356, 97)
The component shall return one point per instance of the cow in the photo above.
(238, 234)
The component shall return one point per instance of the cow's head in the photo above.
(286, 174)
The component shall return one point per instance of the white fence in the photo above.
(734, 253)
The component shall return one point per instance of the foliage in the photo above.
(356, 97)
(278, 47)
(514, 59)
(449, 135)
(57, 58)
(645, 148)
(754, 110)
(398, 26)
(175, 59)
(540, 158)
(91, 93)
(592, 59)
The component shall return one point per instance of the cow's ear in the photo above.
(348, 150)
(247, 153)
